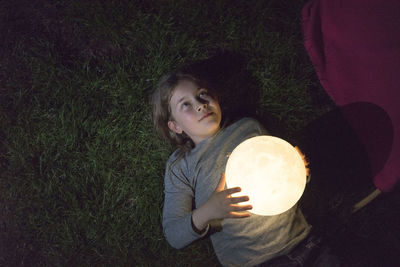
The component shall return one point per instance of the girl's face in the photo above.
(194, 111)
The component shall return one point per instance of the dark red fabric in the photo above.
(354, 46)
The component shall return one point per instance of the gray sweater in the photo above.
(190, 181)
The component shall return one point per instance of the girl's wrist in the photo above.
(199, 219)
(197, 230)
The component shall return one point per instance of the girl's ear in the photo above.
(174, 127)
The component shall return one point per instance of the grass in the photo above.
(81, 167)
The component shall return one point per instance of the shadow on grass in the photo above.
(343, 165)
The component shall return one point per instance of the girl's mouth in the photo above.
(206, 115)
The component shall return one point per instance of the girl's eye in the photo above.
(185, 104)
(203, 93)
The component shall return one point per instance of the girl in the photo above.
(186, 111)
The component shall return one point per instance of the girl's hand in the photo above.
(221, 205)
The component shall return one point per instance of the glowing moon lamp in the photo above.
(270, 171)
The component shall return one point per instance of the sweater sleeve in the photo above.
(178, 206)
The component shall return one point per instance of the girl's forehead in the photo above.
(184, 87)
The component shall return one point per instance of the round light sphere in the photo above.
(270, 171)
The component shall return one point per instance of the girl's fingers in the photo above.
(236, 215)
(241, 207)
(233, 190)
(235, 200)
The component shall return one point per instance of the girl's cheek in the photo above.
(214, 103)
(210, 99)
(188, 113)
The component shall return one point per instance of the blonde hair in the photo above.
(161, 110)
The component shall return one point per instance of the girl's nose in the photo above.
(201, 106)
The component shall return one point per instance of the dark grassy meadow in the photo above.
(81, 169)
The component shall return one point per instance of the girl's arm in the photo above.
(177, 213)
(178, 207)
(179, 218)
